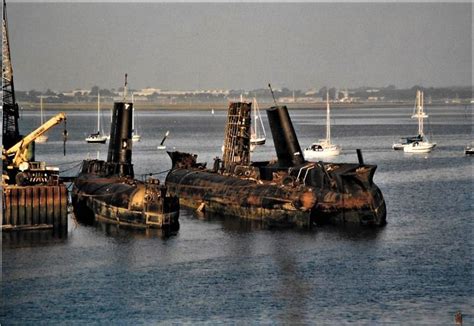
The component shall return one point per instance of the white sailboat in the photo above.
(422, 144)
(43, 138)
(257, 137)
(135, 135)
(97, 137)
(323, 148)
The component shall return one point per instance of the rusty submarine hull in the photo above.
(107, 191)
(285, 192)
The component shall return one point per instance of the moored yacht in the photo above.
(324, 147)
(97, 137)
(421, 145)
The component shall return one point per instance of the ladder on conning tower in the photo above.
(237, 135)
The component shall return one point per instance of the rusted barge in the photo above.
(107, 191)
(286, 192)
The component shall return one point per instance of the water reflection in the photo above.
(292, 288)
(33, 238)
(125, 232)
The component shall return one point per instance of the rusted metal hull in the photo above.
(124, 202)
(231, 196)
(34, 207)
(107, 191)
(276, 203)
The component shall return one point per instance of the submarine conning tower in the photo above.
(284, 137)
(237, 136)
(119, 158)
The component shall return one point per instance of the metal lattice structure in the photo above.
(10, 132)
(237, 135)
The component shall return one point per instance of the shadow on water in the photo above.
(33, 238)
(125, 232)
(291, 289)
(240, 225)
(353, 232)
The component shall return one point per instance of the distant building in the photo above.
(82, 92)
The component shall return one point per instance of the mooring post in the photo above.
(359, 156)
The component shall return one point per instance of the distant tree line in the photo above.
(389, 93)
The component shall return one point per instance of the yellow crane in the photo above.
(16, 157)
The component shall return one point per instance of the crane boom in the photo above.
(20, 149)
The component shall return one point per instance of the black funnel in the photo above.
(284, 137)
(119, 157)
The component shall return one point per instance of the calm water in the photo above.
(416, 270)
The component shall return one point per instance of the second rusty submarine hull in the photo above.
(286, 192)
(107, 191)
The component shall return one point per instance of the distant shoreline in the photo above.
(223, 106)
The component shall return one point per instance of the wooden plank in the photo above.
(56, 207)
(49, 205)
(7, 202)
(21, 206)
(42, 206)
(36, 205)
(14, 205)
(28, 205)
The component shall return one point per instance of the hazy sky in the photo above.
(240, 45)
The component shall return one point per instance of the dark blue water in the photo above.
(416, 270)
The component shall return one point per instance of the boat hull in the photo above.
(276, 204)
(257, 141)
(136, 138)
(96, 141)
(124, 202)
(322, 152)
(420, 147)
(398, 146)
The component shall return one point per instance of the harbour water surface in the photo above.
(416, 270)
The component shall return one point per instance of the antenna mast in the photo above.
(273, 95)
(125, 89)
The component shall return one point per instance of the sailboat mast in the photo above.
(260, 117)
(328, 121)
(420, 113)
(98, 112)
(133, 115)
(41, 109)
(255, 117)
